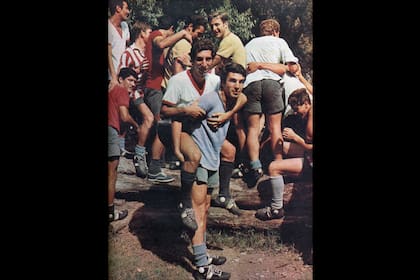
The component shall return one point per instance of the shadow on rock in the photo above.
(296, 228)
(158, 226)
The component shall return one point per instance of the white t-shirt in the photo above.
(182, 90)
(118, 43)
(290, 84)
(267, 49)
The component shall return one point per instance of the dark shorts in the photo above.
(153, 99)
(138, 100)
(265, 96)
(232, 136)
(134, 111)
(164, 131)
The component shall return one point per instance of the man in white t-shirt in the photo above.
(266, 61)
(118, 37)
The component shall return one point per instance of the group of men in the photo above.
(210, 96)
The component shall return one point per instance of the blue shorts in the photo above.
(113, 142)
(209, 177)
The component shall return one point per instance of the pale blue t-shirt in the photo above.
(209, 141)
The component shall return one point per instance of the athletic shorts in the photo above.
(265, 96)
(113, 142)
(138, 97)
(209, 177)
(153, 99)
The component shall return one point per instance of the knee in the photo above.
(148, 120)
(274, 169)
(228, 155)
(195, 158)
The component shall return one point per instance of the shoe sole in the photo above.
(141, 174)
(128, 155)
(189, 227)
(235, 212)
(214, 262)
(161, 181)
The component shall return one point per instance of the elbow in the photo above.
(164, 112)
(245, 98)
(125, 119)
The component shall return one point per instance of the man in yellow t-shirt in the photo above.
(178, 58)
(230, 46)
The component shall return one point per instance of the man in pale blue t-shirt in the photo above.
(209, 135)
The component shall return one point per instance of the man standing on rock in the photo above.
(179, 104)
(209, 136)
(118, 102)
(298, 151)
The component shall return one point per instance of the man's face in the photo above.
(234, 85)
(198, 32)
(202, 62)
(146, 34)
(124, 12)
(218, 27)
(302, 110)
(129, 83)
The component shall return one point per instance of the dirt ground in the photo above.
(140, 250)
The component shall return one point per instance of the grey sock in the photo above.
(140, 150)
(154, 167)
(200, 254)
(122, 142)
(277, 185)
(255, 164)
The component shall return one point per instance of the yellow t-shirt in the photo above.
(231, 48)
(180, 48)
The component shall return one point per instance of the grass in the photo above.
(245, 239)
(128, 268)
(125, 264)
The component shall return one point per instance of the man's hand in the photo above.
(184, 60)
(179, 155)
(289, 133)
(217, 119)
(252, 67)
(194, 110)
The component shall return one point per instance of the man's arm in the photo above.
(112, 70)
(162, 43)
(171, 111)
(309, 127)
(223, 117)
(126, 117)
(216, 60)
(277, 68)
(289, 134)
(302, 79)
(218, 119)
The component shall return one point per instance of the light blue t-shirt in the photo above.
(209, 141)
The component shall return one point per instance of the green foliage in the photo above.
(146, 10)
